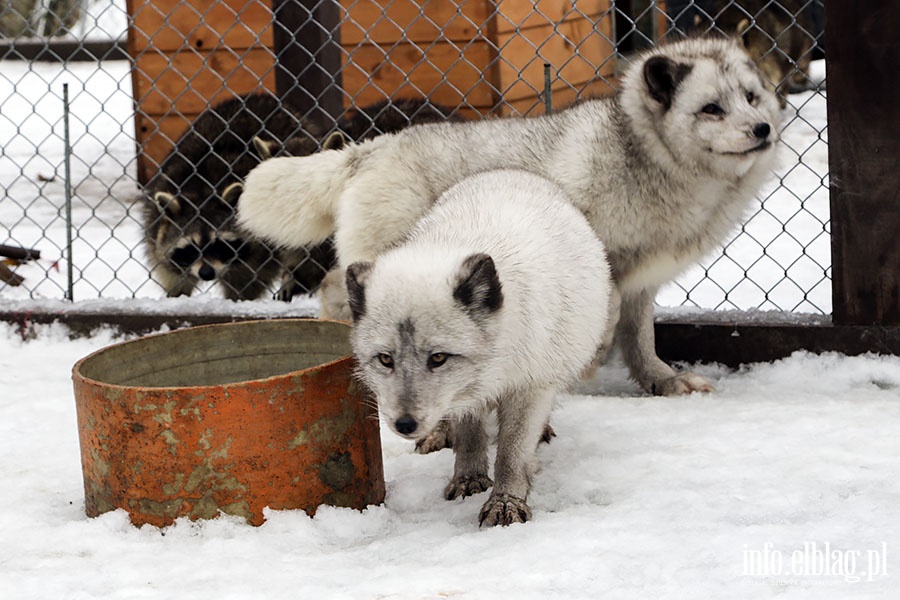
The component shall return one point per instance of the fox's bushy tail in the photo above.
(291, 201)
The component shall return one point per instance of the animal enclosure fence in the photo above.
(73, 194)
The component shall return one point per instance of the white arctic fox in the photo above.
(663, 171)
(497, 299)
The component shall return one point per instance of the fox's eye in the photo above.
(751, 97)
(437, 359)
(712, 109)
(386, 360)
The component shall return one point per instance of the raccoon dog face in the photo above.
(426, 355)
(199, 242)
(709, 106)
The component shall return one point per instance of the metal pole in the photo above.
(67, 152)
(548, 92)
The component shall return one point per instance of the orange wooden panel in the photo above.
(388, 21)
(562, 97)
(575, 51)
(200, 24)
(156, 136)
(444, 72)
(514, 14)
(191, 81)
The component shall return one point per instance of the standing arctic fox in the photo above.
(498, 298)
(663, 171)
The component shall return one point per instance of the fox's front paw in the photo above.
(437, 439)
(683, 383)
(503, 509)
(460, 487)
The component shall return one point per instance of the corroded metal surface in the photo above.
(288, 427)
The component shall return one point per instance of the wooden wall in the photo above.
(483, 55)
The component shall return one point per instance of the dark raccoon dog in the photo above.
(360, 124)
(189, 206)
(778, 36)
(392, 116)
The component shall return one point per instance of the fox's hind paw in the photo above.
(683, 383)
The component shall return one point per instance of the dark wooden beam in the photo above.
(863, 64)
(85, 322)
(308, 58)
(740, 341)
(63, 50)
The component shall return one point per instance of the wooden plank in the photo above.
(157, 135)
(453, 74)
(389, 21)
(191, 81)
(170, 25)
(444, 72)
(513, 15)
(56, 50)
(739, 343)
(574, 50)
(562, 97)
(863, 63)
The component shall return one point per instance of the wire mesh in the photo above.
(156, 67)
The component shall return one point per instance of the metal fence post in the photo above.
(67, 155)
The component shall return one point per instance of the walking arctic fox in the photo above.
(663, 171)
(497, 299)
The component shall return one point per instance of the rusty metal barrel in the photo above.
(227, 418)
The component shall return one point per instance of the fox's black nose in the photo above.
(207, 273)
(762, 130)
(405, 425)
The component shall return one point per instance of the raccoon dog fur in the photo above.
(363, 123)
(663, 171)
(497, 299)
(372, 120)
(777, 36)
(189, 206)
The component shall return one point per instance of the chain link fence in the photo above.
(72, 174)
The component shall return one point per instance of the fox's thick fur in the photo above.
(663, 171)
(498, 299)
(778, 36)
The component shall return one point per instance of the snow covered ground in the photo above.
(782, 484)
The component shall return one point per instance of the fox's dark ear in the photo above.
(357, 275)
(478, 286)
(662, 77)
(167, 203)
(232, 193)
